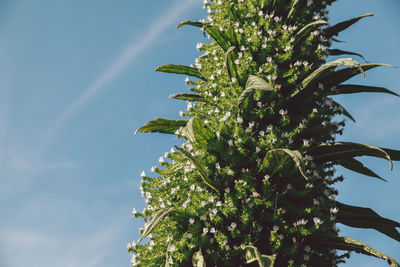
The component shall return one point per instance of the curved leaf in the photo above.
(230, 63)
(213, 31)
(325, 70)
(306, 30)
(338, 52)
(350, 244)
(354, 88)
(292, 9)
(254, 83)
(394, 154)
(161, 125)
(355, 165)
(155, 220)
(335, 29)
(279, 158)
(188, 97)
(253, 254)
(202, 173)
(197, 131)
(181, 69)
(343, 75)
(340, 150)
(366, 218)
(198, 259)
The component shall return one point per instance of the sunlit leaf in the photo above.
(188, 97)
(161, 125)
(155, 221)
(306, 30)
(253, 254)
(230, 63)
(181, 69)
(281, 158)
(254, 83)
(198, 259)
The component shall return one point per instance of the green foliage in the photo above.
(253, 182)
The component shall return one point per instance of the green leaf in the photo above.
(188, 97)
(254, 83)
(350, 244)
(394, 154)
(280, 158)
(338, 52)
(354, 88)
(340, 150)
(253, 254)
(202, 173)
(161, 125)
(213, 31)
(360, 217)
(343, 75)
(230, 63)
(306, 30)
(324, 70)
(355, 165)
(155, 221)
(197, 131)
(198, 259)
(335, 29)
(292, 9)
(181, 69)
(345, 112)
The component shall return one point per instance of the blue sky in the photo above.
(77, 79)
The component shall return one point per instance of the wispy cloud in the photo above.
(126, 56)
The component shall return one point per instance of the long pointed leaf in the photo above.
(230, 64)
(355, 165)
(324, 71)
(188, 97)
(161, 125)
(344, 111)
(350, 244)
(279, 158)
(197, 131)
(335, 29)
(338, 52)
(366, 218)
(181, 69)
(292, 9)
(339, 150)
(254, 83)
(354, 88)
(394, 154)
(155, 221)
(343, 75)
(213, 31)
(306, 30)
(202, 173)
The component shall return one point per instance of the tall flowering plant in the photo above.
(253, 181)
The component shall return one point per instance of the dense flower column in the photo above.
(253, 181)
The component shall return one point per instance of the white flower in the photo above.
(334, 210)
(212, 230)
(161, 159)
(306, 142)
(233, 225)
(191, 220)
(129, 246)
(192, 187)
(317, 220)
(205, 230)
(189, 236)
(172, 248)
(307, 248)
(302, 222)
(290, 262)
(233, 79)
(276, 228)
(218, 204)
(134, 211)
(211, 199)
(143, 174)
(289, 186)
(148, 195)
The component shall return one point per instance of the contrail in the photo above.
(126, 56)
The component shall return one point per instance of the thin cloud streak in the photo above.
(126, 56)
